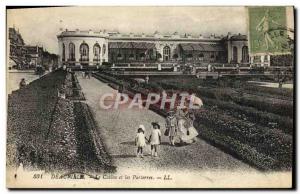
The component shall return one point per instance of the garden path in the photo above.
(118, 129)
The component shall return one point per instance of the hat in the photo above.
(142, 127)
(155, 124)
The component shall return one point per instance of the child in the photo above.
(155, 138)
(171, 127)
(140, 141)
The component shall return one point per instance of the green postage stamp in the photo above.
(268, 30)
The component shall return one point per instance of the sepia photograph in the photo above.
(150, 97)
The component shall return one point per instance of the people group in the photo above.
(179, 128)
(154, 139)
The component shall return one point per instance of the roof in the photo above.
(238, 37)
(187, 47)
(129, 45)
(201, 47)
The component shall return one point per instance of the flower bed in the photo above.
(73, 89)
(272, 105)
(30, 113)
(236, 148)
(270, 142)
(45, 132)
(267, 104)
(282, 93)
(248, 113)
(91, 150)
(61, 143)
(250, 137)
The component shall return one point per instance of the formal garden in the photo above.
(50, 128)
(251, 122)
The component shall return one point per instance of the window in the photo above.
(72, 51)
(97, 51)
(104, 49)
(151, 53)
(245, 54)
(234, 54)
(257, 59)
(158, 55)
(166, 53)
(63, 52)
(84, 52)
(119, 57)
(200, 57)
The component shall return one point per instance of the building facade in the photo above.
(16, 50)
(93, 48)
(22, 56)
(33, 55)
(83, 47)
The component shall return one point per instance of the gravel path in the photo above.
(118, 130)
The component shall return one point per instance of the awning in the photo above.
(212, 47)
(125, 45)
(201, 47)
(197, 47)
(186, 47)
(218, 47)
(131, 45)
(113, 45)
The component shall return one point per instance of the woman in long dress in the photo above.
(187, 132)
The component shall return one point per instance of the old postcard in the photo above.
(150, 97)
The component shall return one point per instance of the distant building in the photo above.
(22, 56)
(92, 48)
(237, 49)
(16, 48)
(33, 56)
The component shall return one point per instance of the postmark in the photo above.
(268, 30)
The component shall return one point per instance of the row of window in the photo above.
(143, 56)
(84, 51)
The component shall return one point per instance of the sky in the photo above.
(40, 26)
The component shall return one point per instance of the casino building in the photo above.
(93, 48)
